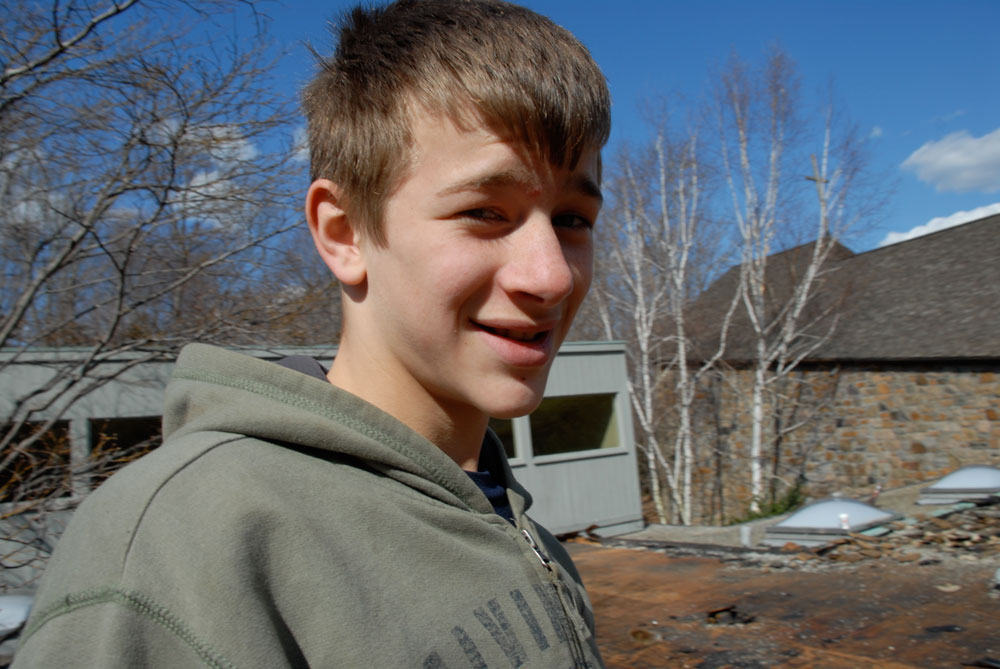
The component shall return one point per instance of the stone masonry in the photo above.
(858, 426)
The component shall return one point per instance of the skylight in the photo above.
(826, 519)
(970, 483)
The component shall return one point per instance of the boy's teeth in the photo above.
(513, 334)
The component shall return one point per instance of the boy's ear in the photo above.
(335, 238)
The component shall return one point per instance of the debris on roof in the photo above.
(969, 533)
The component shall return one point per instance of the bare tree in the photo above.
(146, 177)
(657, 252)
(788, 176)
(767, 159)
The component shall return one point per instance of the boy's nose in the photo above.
(537, 266)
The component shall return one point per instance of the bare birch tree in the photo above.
(766, 161)
(146, 170)
(655, 245)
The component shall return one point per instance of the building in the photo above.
(902, 383)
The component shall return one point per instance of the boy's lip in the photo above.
(518, 330)
(519, 343)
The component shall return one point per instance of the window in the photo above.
(574, 423)
(114, 442)
(40, 470)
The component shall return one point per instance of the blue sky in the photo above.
(922, 79)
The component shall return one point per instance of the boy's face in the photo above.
(489, 253)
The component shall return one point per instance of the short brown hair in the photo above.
(471, 60)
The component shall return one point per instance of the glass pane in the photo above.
(575, 423)
(114, 442)
(504, 427)
(41, 469)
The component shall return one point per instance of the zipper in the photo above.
(579, 630)
(546, 562)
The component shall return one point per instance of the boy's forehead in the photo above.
(441, 132)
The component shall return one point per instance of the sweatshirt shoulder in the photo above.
(127, 495)
(93, 549)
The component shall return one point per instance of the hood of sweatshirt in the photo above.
(218, 390)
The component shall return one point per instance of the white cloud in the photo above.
(875, 133)
(226, 144)
(207, 198)
(165, 131)
(300, 145)
(941, 223)
(959, 162)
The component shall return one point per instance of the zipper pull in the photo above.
(536, 550)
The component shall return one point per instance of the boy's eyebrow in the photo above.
(584, 184)
(581, 183)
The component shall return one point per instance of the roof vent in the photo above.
(973, 483)
(825, 520)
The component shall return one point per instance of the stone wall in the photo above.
(855, 427)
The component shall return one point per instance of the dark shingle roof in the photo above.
(933, 297)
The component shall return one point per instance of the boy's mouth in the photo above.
(519, 343)
(531, 336)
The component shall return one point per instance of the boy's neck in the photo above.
(457, 430)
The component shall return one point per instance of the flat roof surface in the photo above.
(733, 608)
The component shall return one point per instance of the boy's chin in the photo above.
(508, 395)
(515, 407)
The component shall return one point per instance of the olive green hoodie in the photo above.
(288, 523)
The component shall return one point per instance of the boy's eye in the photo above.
(488, 215)
(572, 221)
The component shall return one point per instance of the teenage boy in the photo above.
(366, 516)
